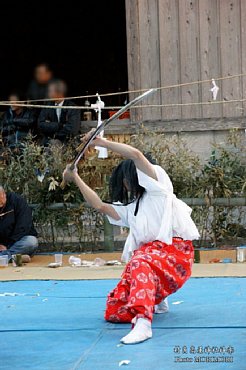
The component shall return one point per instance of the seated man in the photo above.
(17, 122)
(58, 124)
(17, 233)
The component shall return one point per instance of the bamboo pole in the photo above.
(108, 235)
(226, 202)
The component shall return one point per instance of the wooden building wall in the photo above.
(178, 41)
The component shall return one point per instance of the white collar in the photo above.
(59, 104)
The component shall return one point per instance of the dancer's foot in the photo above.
(162, 307)
(141, 332)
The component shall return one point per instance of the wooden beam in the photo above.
(243, 51)
(230, 47)
(125, 127)
(209, 53)
(189, 56)
(133, 53)
(169, 56)
(150, 54)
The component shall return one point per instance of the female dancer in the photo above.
(159, 247)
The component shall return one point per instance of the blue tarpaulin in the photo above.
(59, 325)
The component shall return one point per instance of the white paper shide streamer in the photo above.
(214, 89)
(102, 152)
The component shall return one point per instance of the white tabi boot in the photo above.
(162, 307)
(141, 332)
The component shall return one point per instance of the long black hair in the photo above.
(124, 186)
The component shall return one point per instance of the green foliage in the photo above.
(36, 173)
(24, 170)
(224, 176)
(225, 173)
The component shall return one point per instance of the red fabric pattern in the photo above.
(155, 271)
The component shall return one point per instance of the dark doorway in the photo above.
(84, 42)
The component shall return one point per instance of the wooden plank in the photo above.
(230, 55)
(169, 56)
(186, 125)
(243, 52)
(209, 53)
(149, 54)
(189, 56)
(197, 125)
(133, 53)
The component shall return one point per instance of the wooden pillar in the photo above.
(143, 54)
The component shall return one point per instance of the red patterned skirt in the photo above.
(155, 271)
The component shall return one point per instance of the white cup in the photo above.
(4, 261)
(58, 258)
(241, 254)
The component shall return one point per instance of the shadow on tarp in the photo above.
(59, 325)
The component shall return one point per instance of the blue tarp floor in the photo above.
(59, 325)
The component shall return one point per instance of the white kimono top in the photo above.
(161, 216)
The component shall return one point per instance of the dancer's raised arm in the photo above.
(129, 152)
(89, 195)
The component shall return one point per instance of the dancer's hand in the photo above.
(69, 175)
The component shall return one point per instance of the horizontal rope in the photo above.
(137, 90)
(192, 104)
(134, 107)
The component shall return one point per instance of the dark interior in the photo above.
(84, 43)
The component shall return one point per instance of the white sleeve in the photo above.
(163, 182)
(122, 211)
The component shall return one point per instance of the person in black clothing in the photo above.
(17, 122)
(58, 124)
(38, 88)
(17, 232)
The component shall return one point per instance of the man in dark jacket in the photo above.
(17, 122)
(38, 88)
(58, 123)
(17, 233)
